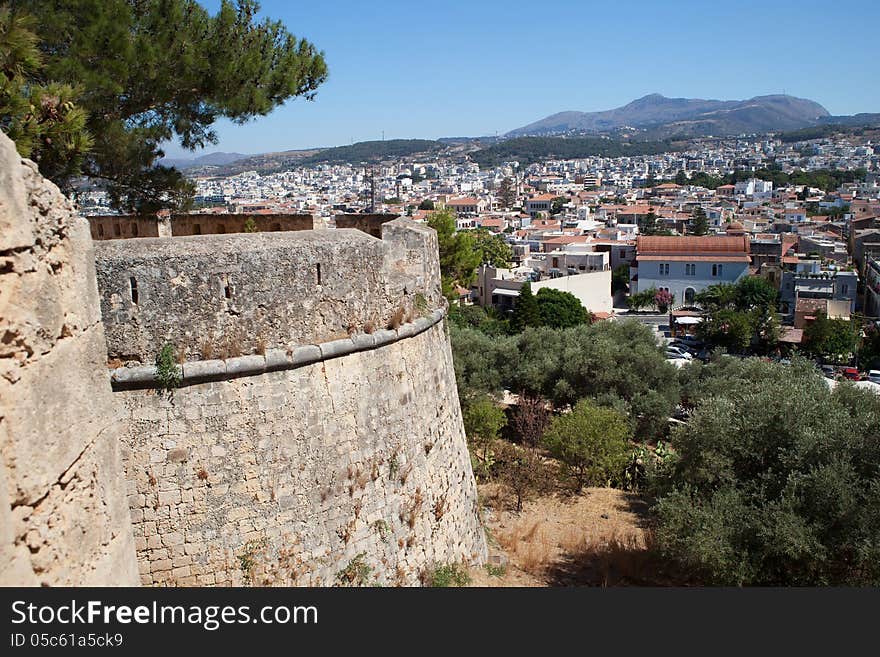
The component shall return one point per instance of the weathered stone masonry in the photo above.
(317, 439)
(351, 446)
(63, 517)
(362, 453)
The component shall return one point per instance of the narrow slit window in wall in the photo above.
(318, 269)
(227, 287)
(197, 229)
(134, 229)
(133, 286)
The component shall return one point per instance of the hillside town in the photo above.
(570, 224)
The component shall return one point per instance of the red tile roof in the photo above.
(721, 257)
(729, 245)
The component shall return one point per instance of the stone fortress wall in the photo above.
(116, 226)
(318, 424)
(63, 513)
(320, 441)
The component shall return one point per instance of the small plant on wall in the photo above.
(168, 373)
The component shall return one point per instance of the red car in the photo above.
(851, 373)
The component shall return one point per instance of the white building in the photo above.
(686, 266)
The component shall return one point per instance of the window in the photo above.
(664, 269)
(690, 269)
(844, 289)
(717, 270)
(117, 230)
(133, 288)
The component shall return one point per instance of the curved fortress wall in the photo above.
(352, 455)
(63, 517)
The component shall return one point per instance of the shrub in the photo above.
(521, 471)
(448, 575)
(591, 442)
(530, 418)
(168, 372)
(355, 573)
(776, 480)
(483, 421)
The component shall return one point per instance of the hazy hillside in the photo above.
(369, 151)
(209, 159)
(526, 150)
(687, 116)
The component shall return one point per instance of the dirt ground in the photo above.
(600, 537)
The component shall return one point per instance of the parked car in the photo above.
(829, 370)
(690, 341)
(851, 373)
(678, 352)
(874, 376)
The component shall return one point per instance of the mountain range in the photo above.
(209, 159)
(660, 117)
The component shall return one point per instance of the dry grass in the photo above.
(600, 537)
(207, 350)
(397, 318)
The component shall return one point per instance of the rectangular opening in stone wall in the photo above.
(221, 229)
(276, 227)
(134, 229)
(197, 229)
(318, 270)
(117, 230)
(227, 287)
(100, 230)
(133, 288)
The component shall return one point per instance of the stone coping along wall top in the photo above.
(220, 296)
(145, 376)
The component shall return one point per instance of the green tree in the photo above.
(699, 222)
(592, 443)
(620, 278)
(483, 421)
(507, 192)
(648, 224)
(618, 364)
(643, 299)
(776, 480)
(556, 206)
(43, 118)
(494, 249)
(740, 317)
(154, 71)
(526, 312)
(427, 204)
(869, 348)
(461, 252)
(458, 256)
(835, 340)
(521, 471)
(680, 178)
(560, 309)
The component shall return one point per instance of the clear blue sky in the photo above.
(453, 68)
